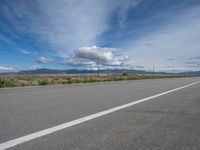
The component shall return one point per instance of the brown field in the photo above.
(19, 81)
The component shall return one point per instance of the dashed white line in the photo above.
(44, 132)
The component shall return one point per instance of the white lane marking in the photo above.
(44, 132)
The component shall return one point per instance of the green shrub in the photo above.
(64, 82)
(91, 80)
(43, 82)
(85, 81)
(69, 82)
(22, 84)
(1, 83)
(76, 81)
(118, 79)
(6, 83)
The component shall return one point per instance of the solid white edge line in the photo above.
(47, 131)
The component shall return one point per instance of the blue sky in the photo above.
(135, 34)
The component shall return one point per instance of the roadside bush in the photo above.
(43, 82)
(118, 79)
(124, 74)
(75, 81)
(69, 82)
(1, 83)
(6, 83)
(64, 82)
(92, 80)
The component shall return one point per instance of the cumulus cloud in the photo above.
(43, 60)
(6, 69)
(91, 56)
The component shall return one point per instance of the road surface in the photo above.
(169, 120)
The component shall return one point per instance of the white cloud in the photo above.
(91, 56)
(179, 39)
(23, 51)
(123, 10)
(6, 69)
(43, 60)
(34, 67)
(195, 58)
(65, 25)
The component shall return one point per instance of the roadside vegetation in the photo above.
(19, 81)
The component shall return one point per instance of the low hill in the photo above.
(45, 71)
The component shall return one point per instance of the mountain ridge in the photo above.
(45, 71)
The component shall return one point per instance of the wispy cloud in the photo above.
(124, 8)
(6, 69)
(196, 57)
(140, 67)
(193, 66)
(170, 59)
(66, 24)
(34, 67)
(23, 51)
(179, 38)
(43, 60)
(148, 31)
(192, 62)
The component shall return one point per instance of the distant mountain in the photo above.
(193, 73)
(45, 71)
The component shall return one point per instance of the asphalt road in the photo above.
(168, 122)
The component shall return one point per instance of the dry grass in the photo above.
(16, 81)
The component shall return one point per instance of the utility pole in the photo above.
(98, 67)
(153, 70)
